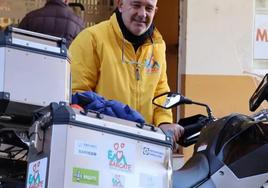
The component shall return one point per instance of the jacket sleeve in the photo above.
(24, 23)
(80, 25)
(162, 115)
(84, 62)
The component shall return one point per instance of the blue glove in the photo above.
(92, 101)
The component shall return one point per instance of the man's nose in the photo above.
(142, 11)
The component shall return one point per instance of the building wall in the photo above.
(217, 60)
(166, 21)
(219, 36)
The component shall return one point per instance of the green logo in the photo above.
(85, 176)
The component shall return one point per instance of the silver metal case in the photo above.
(94, 150)
(34, 71)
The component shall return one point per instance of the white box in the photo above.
(75, 151)
(34, 71)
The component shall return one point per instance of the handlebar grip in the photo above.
(192, 127)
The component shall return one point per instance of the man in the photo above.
(56, 19)
(123, 59)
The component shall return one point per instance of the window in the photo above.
(260, 37)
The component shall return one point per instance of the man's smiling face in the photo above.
(137, 15)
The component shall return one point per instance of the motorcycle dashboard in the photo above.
(259, 95)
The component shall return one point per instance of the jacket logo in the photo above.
(151, 66)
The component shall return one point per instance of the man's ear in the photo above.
(119, 4)
(156, 9)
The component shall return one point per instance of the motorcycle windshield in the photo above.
(246, 152)
(231, 129)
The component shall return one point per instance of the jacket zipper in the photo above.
(137, 72)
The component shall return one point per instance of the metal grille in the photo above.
(14, 11)
(34, 4)
(96, 10)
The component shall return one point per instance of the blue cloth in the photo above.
(92, 101)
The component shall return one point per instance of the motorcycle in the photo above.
(231, 151)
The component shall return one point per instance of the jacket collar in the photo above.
(135, 40)
(56, 2)
(156, 36)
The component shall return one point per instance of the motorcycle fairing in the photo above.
(210, 137)
(194, 172)
(238, 142)
(224, 178)
(247, 152)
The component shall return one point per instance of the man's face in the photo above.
(137, 15)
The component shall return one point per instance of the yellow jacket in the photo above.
(104, 62)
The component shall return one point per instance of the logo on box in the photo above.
(153, 153)
(37, 174)
(85, 176)
(86, 149)
(118, 159)
(118, 181)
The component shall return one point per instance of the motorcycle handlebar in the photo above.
(192, 127)
(262, 115)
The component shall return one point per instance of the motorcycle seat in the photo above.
(193, 173)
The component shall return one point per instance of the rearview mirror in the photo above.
(170, 99)
(259, 95)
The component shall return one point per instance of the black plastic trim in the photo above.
(62, 113)
(4, 101)
(17, 110)
(4, 96)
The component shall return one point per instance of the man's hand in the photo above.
(175, 130)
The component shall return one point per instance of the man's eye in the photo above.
(149, 9)
(136, 6)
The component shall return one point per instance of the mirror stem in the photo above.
(209, 112)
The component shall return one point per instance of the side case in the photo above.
(73, 150)
(34, 71)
